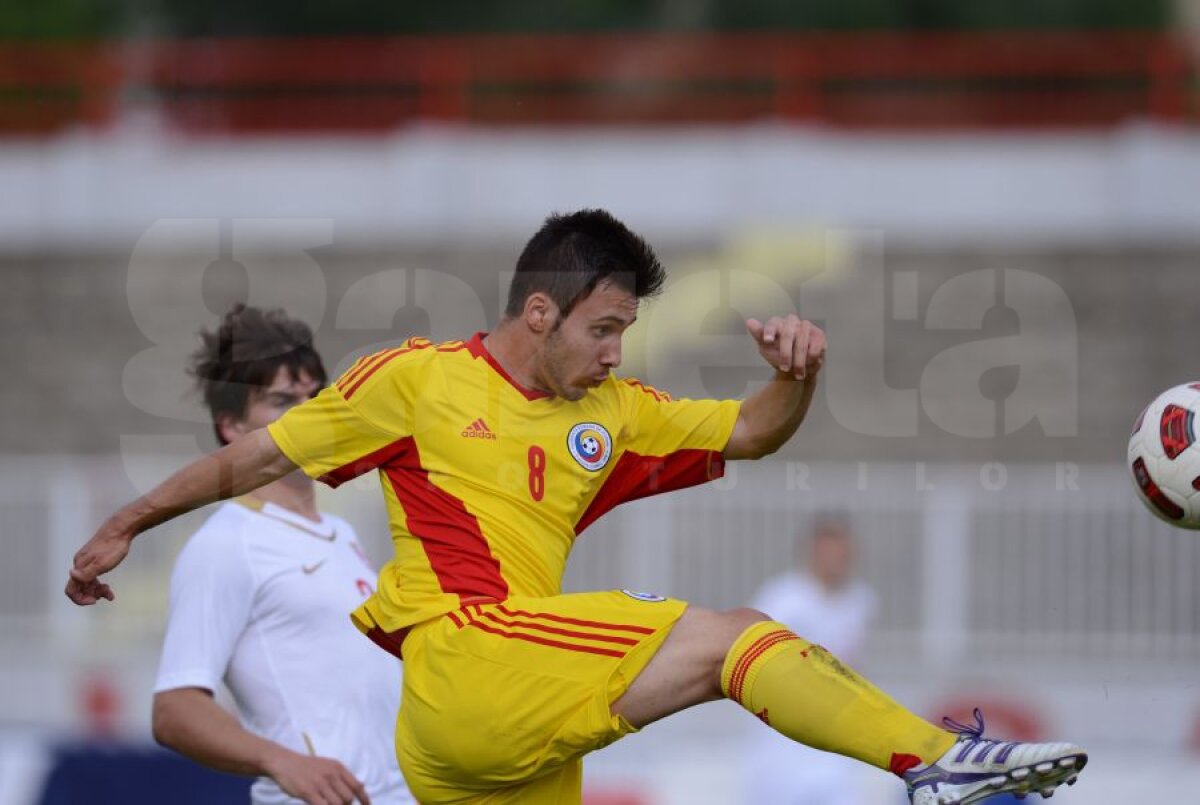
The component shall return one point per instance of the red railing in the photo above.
(371, 84)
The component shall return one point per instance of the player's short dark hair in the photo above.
(824, 524)
(830, 522)
(573, 253)
(245, 352)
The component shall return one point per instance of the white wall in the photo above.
(433, 185)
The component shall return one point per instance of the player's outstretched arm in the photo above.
(795, 349)
(189, 721)
(240, 467)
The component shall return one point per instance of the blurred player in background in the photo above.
(259, 598)
(493, 455)
(825, 602)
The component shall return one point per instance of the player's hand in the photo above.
(316, 780)
(789, 344)
(102, 553)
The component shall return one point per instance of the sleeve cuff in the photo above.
(186, 679)
(287, 446)
(732, 409)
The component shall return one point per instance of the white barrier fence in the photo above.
(1021, 562)
(1047, 587)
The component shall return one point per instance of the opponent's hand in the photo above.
(789, 344)
(316, 780)
(102, 553)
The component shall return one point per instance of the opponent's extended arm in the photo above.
(252, 461)
(189, 721)
(796, 350)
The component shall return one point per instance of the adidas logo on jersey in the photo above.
(478, 430)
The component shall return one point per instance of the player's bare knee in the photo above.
(721, 629)
(745, 617)
(716, 633)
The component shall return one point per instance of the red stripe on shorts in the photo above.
(603, 638)
(612, 627)
(545, 642)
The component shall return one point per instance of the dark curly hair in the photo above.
(572, 254)
(245, 352)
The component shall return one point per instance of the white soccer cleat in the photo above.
(977, 768)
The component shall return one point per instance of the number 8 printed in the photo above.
(537, 472)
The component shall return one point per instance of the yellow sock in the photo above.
(802, 691)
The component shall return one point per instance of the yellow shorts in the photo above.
(501, 701)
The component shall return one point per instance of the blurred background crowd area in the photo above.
(88, 18)
(273, 66)
(991, 208)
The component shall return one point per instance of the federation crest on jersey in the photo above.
(590, 445)
(652, 598)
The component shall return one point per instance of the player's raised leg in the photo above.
(804, 692)
(788, 683)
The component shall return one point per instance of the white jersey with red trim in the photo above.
(259, 598)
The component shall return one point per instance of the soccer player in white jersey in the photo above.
(259, 599)
(826, 601)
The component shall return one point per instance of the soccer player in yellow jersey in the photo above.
(493, 454)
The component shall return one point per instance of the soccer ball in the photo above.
(1165, 458)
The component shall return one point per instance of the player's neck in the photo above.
(294, 492)
(832, 586)
(515, 352)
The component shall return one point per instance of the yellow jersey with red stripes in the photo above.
(488, 483)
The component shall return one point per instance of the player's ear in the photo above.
(540, 312)
(229, 426)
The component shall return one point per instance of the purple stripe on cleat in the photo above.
(983, 753)
(1002, 755)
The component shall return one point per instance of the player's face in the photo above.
(832, 557)
(268, 403)
(579, 354)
